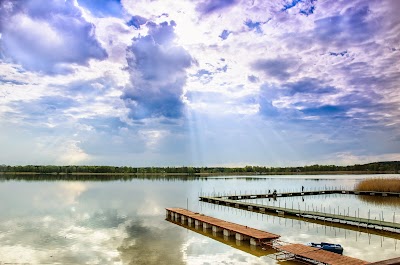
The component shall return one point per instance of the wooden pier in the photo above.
(240, 232)
(233, 201)
(270, 242)
(306, 193)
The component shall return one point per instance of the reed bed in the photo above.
(379, 184)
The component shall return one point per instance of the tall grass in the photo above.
(379, 184)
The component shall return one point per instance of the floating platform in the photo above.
(240, 232)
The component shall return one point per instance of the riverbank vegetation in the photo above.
(377, 167)
(379, 184)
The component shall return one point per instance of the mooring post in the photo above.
(369, 213)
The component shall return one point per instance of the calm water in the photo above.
(123, 222)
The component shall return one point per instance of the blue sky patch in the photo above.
(103, 8)
(225, 33)
(137, 21)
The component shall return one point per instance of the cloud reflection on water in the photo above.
(123, 223)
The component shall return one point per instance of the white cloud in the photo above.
(85, 107)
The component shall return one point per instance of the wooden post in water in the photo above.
(369, 213)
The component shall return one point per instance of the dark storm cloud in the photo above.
(351, 27)
(253, 79)
(4, 80)
(47, 37)
(308, 86)
(343, 53)
(211, 6)
(158, 74)
(278, 68)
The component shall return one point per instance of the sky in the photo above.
(199, 83)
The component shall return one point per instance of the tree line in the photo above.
(381, 167)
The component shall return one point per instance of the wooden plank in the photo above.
(248, 231)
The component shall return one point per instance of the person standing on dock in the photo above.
(302, 188)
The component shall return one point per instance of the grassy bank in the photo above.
(379, 184)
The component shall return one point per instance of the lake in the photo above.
(123, 222)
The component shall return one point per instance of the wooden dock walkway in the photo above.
(269, 241)
(282, 211)
(240, 232)
(307, 193)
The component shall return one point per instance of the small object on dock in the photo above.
(335, 248)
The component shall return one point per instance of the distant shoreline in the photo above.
(384, 167)
(203, 174)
